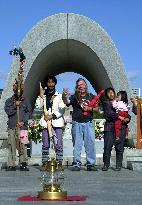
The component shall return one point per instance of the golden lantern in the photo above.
(52, 181)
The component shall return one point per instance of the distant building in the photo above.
(136, 92)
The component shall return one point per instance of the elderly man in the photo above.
(82, 126)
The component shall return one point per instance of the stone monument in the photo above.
(65, 42)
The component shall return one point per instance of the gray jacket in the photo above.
(25, 111)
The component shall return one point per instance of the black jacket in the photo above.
(111, 116)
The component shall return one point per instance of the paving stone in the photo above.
(102, 188)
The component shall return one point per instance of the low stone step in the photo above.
(134, 165)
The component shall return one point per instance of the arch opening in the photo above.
(66, 56)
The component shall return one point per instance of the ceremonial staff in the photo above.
(49, 122)
(18, 88)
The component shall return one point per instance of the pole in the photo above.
(18, 89)
(19, 144)
(139, 124)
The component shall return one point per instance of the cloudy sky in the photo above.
(121, 19)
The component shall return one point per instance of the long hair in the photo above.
(109, 89)
(77, 92)
(124, 96)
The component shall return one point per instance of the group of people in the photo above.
(85, 104)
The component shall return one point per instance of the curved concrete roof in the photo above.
(62, 43)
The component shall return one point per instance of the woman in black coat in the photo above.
(109, 132)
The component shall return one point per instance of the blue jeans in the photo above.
(80, 132)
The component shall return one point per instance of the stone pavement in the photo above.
(102, 188)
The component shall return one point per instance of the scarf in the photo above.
(49, 101)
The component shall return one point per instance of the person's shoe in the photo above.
(24, 167)
(104, 168)
(10, 168)
(75, 168)
(91, 168)
(59, 163)
(60, 166)
(44, 164)
(117, 169)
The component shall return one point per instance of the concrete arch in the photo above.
(62, 43)
(62, 56)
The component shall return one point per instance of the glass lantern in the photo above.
(52, 181)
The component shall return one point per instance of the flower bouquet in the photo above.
(34, 131)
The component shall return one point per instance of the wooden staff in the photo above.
(19, 93)
(49, 125)
(47, 112)
(18, 88)
(49, 122)
(19, 144)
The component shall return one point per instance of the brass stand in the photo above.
(52, 195)
(52, 190)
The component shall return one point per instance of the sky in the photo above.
(121, 19)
